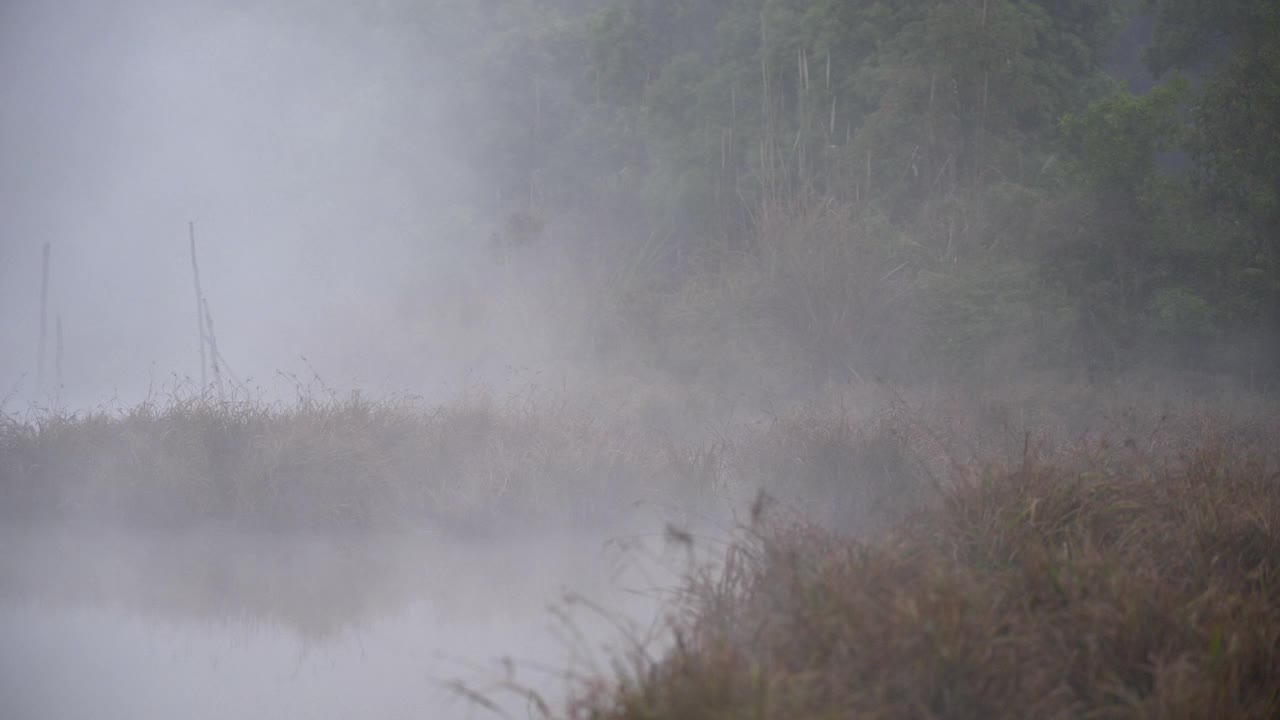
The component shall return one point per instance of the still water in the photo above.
(220, 625)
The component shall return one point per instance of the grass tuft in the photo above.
(1082, 580)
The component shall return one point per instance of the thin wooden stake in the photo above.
(213, 347)
(57, 357)
(44, 315)
(200, 336)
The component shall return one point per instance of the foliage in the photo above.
(977, 134)
(1233, 135)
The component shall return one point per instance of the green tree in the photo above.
(1234, 140)
(1114, 264)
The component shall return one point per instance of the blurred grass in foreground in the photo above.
(934, 554)
(1130, 578)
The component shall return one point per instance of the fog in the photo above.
(308, 146)
(520, 310)
(212, 625)
(306, 143)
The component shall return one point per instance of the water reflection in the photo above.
(215, 624)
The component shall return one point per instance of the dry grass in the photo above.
(346, 463)
(1078, 579)
(858, 458)
(942, 554)
(323, 463)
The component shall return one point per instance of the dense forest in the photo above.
(895, 189)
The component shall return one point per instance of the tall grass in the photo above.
(321, 463)
(332, 463)
(861, 458)
(1134, 579)
(961, 553)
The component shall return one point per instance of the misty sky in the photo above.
(308, 145)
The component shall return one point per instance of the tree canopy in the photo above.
(978, 150)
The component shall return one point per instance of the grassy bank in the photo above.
(1134, 578)
(322, 463)
(856, 459)
(963, 553)
(327, 463)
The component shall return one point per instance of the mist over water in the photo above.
(306, 142)
(527, 313)
(308, 145)
(212, 625)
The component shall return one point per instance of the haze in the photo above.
(788, 358)
(305, 142)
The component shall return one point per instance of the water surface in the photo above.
(216, 624)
